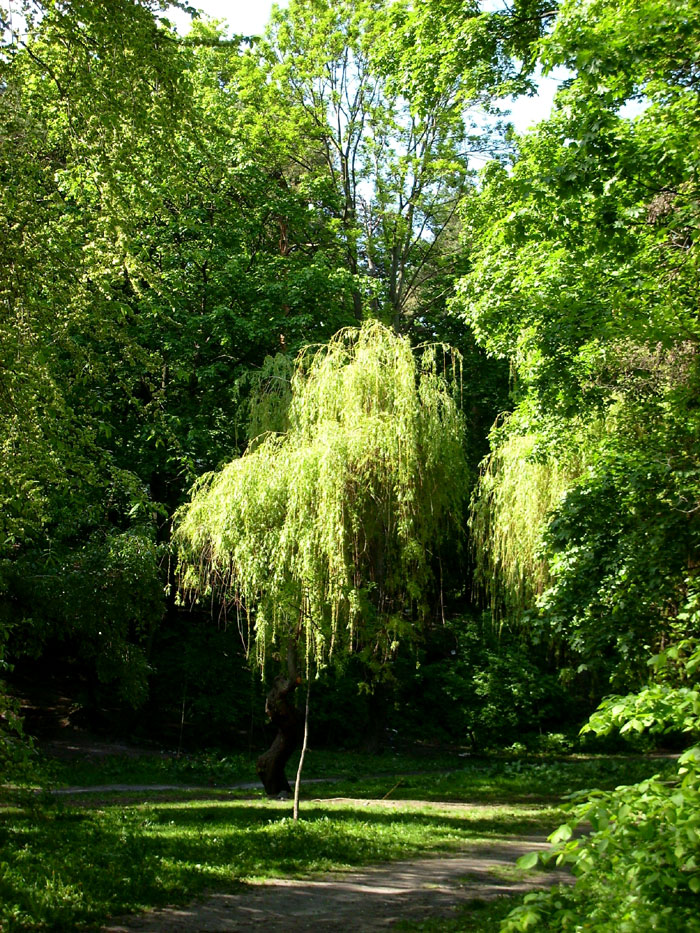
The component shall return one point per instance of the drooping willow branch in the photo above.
(344, 511)
(517, 490)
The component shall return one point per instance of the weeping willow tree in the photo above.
(327, 537)
(518, 488)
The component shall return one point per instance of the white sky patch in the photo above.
(14, 24)
(244, 17)
(525, 112)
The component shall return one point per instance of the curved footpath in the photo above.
(368, 900)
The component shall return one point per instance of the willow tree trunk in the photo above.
(283, 714)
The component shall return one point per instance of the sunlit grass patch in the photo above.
(67, 863)
(63, 866)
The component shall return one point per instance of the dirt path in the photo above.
(369, 900)
(365, 901)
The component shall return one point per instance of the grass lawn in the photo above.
(435, 777)
(69, 863)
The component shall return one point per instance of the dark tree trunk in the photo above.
(375, 738)
(283, 714)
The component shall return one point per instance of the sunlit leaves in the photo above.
(637, 864)
(518, 489)
(585, 277)
(333, 528)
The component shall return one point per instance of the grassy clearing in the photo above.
(167, 768)
(475, 917)
(434, 777)
(67, 867)
(69, 863)
(492, 781)
(225, 769)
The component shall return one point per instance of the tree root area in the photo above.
(368, 900)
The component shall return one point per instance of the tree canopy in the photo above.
(584, 276)
(329, 534)
(316, 275)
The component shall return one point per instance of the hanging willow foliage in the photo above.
(270, 396)
(515, 492)
(332, 530)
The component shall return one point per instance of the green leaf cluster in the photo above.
(636, 852)
(332, 530)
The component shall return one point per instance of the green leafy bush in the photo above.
(638, 866)
(638, 869)
(491, 686)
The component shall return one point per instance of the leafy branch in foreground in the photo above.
(639, 867)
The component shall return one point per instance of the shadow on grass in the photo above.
(67, 869)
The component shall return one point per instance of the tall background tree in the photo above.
(160, 242)
(77, 530)
(586, 278)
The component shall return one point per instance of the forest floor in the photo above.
(372, 899)
(375, 898)
(118, 838)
